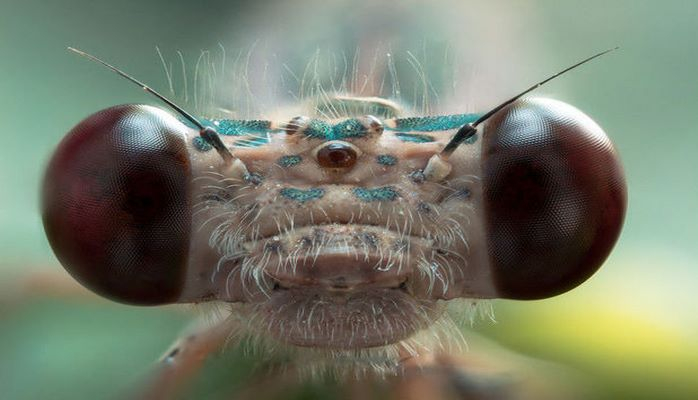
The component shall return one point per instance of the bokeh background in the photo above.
(631, 328)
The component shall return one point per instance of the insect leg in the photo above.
(183, 360)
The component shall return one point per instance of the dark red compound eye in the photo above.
(554, 195)
(116, 204)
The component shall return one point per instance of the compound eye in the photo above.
(116, 204)
(554, 196)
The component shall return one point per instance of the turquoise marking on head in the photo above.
(317, 129)
(434, 123)
(386, 159)
(414, 137)
(302, 196)
(349, 128)
(233, 127)
(255, 125)
(289, 161)
(201, 144)
(385, 193)
(257, 129)
(238, 127)
(229, 127)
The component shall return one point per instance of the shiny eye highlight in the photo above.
(554, 197)
(116, 204)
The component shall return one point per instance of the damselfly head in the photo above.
(361, 224)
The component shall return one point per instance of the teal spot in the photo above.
(385, 193)
(318, 129)
(238, 127)
(436, 123)
(201, 144)
(255, 125)
(350, 128)
(302, 196)
(414, 137)
(289, 161)
(386, 159)
(229, 127)
(233, 127)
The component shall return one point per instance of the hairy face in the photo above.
(335, 239)
(345, 229)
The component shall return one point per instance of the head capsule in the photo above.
(116, 204)
(554, 197)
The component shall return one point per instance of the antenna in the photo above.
(468, 130)
(207, 133)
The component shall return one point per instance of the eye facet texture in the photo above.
(116, 204)
(554, 195)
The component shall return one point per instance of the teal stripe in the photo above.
(435, 123)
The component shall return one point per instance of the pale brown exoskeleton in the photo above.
(339, 238)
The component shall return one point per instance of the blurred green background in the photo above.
(632, 327)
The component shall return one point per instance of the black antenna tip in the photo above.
(466, 130)
(209, 134)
